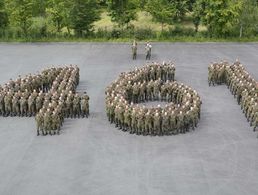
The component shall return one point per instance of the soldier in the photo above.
(58, 119)
(31, 106)
(84, 107)
(76, 106)
(136, 93)
(121, 117)
(211, 75)
(142, 92)
(39, 103)
(187, 122)
(157, 123)
(39, 121)
(133, 121)
(15, 105)
(158, 73)
(117, 116)
(140, 122)
(127, 119)
(156, 89)
(148, 48)
(129, 91)
(69, 105)
(165, 123)
(149, 123)
(134, 49)
(150, 86)
(173, 123)
(163, 92)
(180, 122)
(2, 109)
(8, 104)
(47, 123)
(221, 75)
(55, 125)
(112, 113)
(253, 112)
(255, 121)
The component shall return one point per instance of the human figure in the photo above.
(148, 50)
(134, 49)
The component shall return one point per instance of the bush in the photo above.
(102, 33)
(144, 34)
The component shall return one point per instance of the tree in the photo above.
(142, 3)
(248, 16)
(198, 12)
(39, 8)
(20, 13)
(190, 5)
(58, 10)
(161, 10)
(220, 16)
(180, 7)
(122, 11)
(82, 15)
(3, 15)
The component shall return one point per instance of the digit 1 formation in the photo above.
(49, 96)
(152, 82)
(241, 84)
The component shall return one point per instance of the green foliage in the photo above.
(123, 11)
(38, 28)
(220, 16)
(198, 13)
(83, 14)
(177, 31)
(3, 15)
(190, 5)
(161, 10)
(181, 7)
(168, 11)
(20, 13)
(74, 19)
(39, 7)
(248, 17)
(58, 11)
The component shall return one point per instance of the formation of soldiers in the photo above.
(241, 84)
(152, 82)
(49, 96)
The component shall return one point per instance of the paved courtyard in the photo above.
(92, 157)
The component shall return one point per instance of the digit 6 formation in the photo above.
(241, 85)
(49, 96)
(152, 82)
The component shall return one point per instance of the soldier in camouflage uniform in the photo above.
(134, 49)
(39, 121)
(157, 124)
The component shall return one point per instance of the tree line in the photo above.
(222, 18)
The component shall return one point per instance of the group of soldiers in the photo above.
(49, 96)
(152, 82)
(148, 48)
(241, 84)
